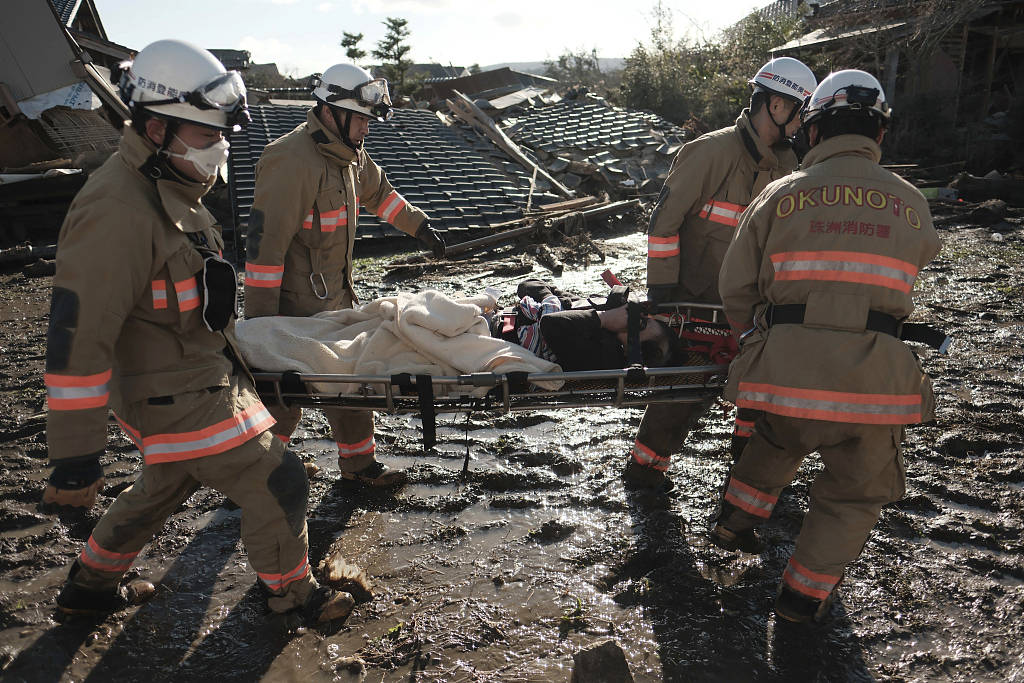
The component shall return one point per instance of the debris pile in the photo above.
(592, 146)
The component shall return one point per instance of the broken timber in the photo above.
(464, 109)
(536, 223)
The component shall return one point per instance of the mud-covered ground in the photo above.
(503, 574)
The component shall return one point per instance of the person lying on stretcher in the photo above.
(578, 335)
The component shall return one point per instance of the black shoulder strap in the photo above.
(633, 317)
(751, 146)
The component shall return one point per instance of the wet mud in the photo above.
(502, 572)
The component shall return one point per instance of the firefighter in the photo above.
(817, 283)
(711, 181)
(310, 185)
(141, 321)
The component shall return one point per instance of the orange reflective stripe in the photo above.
(391, 206)
(749, 499)
(276, 582)
(103, 560)
(350, 450)
(662, 247)
(331, 220)
(70, 392)
(132, 434)
(803, 580)
(834, 406)
(263, 276)
(159, 294)
(648, 458)
(217, 438)
(845, 266)
(188, 294)
(743, 427)
(725, 213)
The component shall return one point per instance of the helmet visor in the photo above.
(225, 92)
(373, 95)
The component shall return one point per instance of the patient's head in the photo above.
(660, 345)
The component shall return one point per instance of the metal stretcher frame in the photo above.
(625, 388)
(404, 394)
(630, 387)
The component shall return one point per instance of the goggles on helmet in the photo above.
(224, 93)
(857, 98)
(373, 95)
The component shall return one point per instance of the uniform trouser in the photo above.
(863, 471)
(663, 430)
(352, 429)
(267, 481)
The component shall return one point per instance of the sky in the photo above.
(303, 36)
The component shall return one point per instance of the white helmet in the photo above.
(787, 77)
(352, 88)
(180, 81)
(850, 90)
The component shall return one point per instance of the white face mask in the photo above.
(207, 160)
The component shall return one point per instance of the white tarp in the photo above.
(75, 96)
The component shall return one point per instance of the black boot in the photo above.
(74, 599)
(801, 609)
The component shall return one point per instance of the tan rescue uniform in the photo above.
(309, 188)
(842, 236)
(126, 331)
(712, 180)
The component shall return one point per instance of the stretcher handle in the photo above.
(481, 379)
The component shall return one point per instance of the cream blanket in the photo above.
(426, 333)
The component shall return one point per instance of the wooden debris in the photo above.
(26, 253)
(975, 189)
(546, 258)
(340, 575)
(463, 108)
(40, 268)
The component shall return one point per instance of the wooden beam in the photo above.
(464, 109)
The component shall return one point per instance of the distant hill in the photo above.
(606, 63)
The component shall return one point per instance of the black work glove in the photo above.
(659, 294)
(432, 239)
(74, 484)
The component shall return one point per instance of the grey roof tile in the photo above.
(450, 176)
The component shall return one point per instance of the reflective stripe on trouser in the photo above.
(352, 431)
(863, 471)
(260, 476)
(663, 431)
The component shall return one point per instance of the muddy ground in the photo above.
(538, 552)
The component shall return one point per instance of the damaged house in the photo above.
(55, 63)
(953, 71)
(470, 172)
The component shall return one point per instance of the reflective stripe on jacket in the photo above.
(841, 237)
(126, 317)
(309, 188)
(712, 180)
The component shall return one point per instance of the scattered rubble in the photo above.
(602, 662)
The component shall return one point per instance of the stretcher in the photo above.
(496, 392)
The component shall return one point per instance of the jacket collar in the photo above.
(180, 198)
(844, 145)
(766, 157)
(329, 144)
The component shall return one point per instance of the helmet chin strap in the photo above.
(782, 126)
(343, 129)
